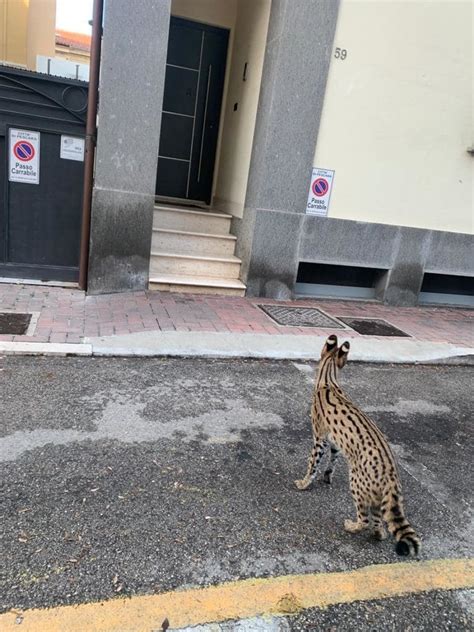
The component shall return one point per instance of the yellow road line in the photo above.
(247, 598)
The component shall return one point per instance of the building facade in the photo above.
(378, 93)
(219, 120)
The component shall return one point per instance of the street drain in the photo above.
(373, 327)
(300, 317)
(14, 324)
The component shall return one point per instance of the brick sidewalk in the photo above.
(68, 315)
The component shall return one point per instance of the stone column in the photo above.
(134, 50)
(405, 277)
(296, 66)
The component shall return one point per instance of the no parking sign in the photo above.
(24, 154)
(320, 192)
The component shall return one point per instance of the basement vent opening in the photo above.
(447, 289)
(300, 317)
(14, 324)
(338, 281)
(373, 327)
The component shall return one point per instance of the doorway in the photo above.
(194, 83)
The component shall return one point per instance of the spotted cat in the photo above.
(374, 481)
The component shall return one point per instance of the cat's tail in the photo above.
(393, 513)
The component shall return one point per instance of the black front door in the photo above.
(194, 81)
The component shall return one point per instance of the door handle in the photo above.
(209, 73)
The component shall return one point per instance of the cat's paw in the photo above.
(351, 526)
(303, 484)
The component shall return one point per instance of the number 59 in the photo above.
(341, 53)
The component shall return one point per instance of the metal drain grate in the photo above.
(300, 317)
(373, 327)
(14, 324)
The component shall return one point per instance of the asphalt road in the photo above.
(133, 476)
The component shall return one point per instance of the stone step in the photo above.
(196, 284)
(191, 220)
(191, 243)
(189, 265)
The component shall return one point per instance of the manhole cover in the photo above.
(373, 327)
(14, 324)
(300, 316)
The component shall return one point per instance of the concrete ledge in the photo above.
(224, 345)
(45, 348)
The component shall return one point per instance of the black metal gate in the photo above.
(40, 218)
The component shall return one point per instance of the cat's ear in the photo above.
(342, 354)
(329, 346)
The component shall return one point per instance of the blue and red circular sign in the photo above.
(320, 187)
(24, 150)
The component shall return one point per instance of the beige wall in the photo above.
(216, 12)
(41, 30)
(398, 114)
(27, 29)
(13, 31)
(237, 135)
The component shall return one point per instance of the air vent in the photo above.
(327, 280)
(14, 324)
(447, 289)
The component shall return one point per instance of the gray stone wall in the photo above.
(134, 49)
(297, 56)
(282, 240)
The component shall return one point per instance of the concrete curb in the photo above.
(284, 347)
(263, 346)
(45, 348)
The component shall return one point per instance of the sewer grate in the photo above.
(14, 324)
(373, 327)
(300, 317)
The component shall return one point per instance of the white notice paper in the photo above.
(72, 148)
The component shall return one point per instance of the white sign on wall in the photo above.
(320, 192)
(72, 148)
(24, 156)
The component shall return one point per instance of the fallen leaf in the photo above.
(23, 536)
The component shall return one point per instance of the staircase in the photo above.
(192, 250)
